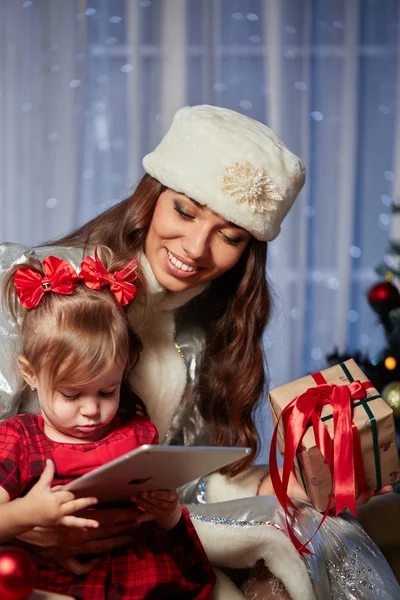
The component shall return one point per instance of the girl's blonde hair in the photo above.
(71, 339)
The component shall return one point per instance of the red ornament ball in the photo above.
(384, 297)
(18, 573)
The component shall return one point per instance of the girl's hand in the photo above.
(163, 505)
(45, 507)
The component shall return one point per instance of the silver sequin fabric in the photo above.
(345, 564)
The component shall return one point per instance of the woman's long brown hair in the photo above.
(233, 311)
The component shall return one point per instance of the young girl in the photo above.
(78, 350)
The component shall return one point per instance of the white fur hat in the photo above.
(234, 165)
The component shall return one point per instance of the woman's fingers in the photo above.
(76, 537)
(366, 495)
(63, 553)
(160, 504)
(72, 521)
(74, 566)
(101, 545)
(64, 559)
(145, 517)
(167, 495)
(385, 490)
(157, 499)
(154, 507)
(111, 516)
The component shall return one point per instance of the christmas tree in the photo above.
(383, 370)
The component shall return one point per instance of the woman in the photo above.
(216, 190)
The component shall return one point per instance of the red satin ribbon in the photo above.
(95, 275)
(30, 286)
(342, 454)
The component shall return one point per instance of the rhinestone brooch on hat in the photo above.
(249, 185)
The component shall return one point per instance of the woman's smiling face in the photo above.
(188, 244)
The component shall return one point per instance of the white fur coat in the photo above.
(159, 379)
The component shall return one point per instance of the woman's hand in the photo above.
(367, 494)
(163, 505)
(62, 545)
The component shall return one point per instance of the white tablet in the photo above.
(153, 468)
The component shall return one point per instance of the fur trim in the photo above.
(221, 488)
(226, 549)
(159, 378)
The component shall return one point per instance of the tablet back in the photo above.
(153, 468)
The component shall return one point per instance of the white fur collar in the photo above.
(159, 378)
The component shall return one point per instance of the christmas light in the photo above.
(390, 363)
(389, 276)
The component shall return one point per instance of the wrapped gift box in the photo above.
(373, 419)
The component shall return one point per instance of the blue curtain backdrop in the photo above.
(89, 86)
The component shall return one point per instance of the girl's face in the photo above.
(188, 244)
(83, 412)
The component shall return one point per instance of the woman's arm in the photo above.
(294, 488)
(256, 481)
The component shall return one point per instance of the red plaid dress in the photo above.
(157, 565)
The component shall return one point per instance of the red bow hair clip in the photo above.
(95, 276)
(30, 286)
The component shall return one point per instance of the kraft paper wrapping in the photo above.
(380, 456)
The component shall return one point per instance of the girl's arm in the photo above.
(13, 521)
(42, 507)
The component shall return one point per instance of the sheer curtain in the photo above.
(42, 107)
(89, 86)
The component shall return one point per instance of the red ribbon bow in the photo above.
(60, 277)
(342, 454)
(95, 276)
